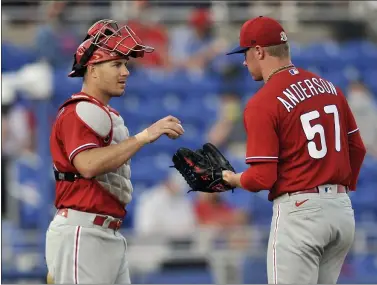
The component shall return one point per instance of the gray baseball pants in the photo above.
(310, 237)
(77, 251)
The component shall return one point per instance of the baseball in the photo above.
(181, 127)
(174, 137)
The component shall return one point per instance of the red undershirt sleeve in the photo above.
(259, 176)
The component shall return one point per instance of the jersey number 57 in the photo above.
(315, 151)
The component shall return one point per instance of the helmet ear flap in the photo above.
(86, 56)
(75, 71)
(78, 68)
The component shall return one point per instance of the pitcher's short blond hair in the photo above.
(280, 51)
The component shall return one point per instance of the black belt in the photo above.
(66, 176)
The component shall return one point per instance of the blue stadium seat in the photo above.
(369, 49)
(201, 86)
(255, 271)
(238, 163)
(176, 84)
(370, 79)
(29, 198)
(11, 276)
(326, 50)
(200, 111)
(146, 174)
(147, 110)
(261, 208)
(320, 55)
(248, 86)
(239, 199)
(337, 78)
(64, 86)
(139, 84)
(365, 267)
(14, 57)
(361, 53)
(296, 49)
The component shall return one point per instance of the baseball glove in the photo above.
(202, 169)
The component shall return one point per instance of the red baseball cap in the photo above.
(262, 31)
(200, 18)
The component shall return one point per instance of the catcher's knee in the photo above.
(50, 279)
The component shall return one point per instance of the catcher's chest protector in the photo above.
(118, 182)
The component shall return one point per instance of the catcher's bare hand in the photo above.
(169, 125)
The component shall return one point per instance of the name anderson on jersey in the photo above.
(300, 91)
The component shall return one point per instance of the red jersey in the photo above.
(302, 122)
(70, 136)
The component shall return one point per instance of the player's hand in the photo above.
(230, 178)
(169, 126)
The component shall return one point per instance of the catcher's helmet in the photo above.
(105, 41)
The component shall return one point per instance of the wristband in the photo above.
(143, 137)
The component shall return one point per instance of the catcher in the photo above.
(91, 151)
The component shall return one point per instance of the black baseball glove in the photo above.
(202, 169)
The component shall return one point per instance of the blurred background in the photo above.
(175, 237)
